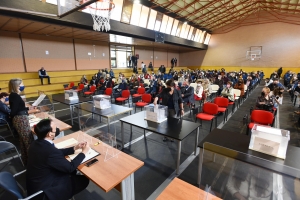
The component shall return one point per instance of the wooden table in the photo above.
(181, 190)
(61, 125)
(32, 111)
(113, 173)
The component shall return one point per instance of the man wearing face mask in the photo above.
(19, 116)
(171, 98)
(187, 93)
(49, 170)
(275, 84)
(228, 92)
(4, 109)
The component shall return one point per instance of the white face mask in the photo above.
(198, 84)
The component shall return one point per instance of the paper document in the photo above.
(39, 100)
(34, 121)
(91, 154)
(67, 143)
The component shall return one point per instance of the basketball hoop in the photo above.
(101, 11)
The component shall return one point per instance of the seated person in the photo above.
(275, 84)
(83, 80)
(92, 82)
(278, 97)
(227, 92)
(152, 86)
(4, 109)
(49, 170)
(265, 101)
(240, 86)
(187, 93)
(122, 86)
(199, 90)
(111, 73)
(43, 74)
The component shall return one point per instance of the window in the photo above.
(144, 17)
(207, 38)
(126, 12)
(174, 28)
(183, 30)
(186, 31)
(202, 37)
(117, 11)
(179, 29)
(152, 18)
(158, 21)
(169, 26)
(164, 24)
(196, 38)
(194, 34)
(190, 33)
(136, 12)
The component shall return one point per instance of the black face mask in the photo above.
(57, 132)
(262, 94)
(168, 89)
(280, 93)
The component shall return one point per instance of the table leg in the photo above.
(71, 112)
(130, 129)
(108, 126)
(178, 157)
(79, 124)
(196, 141)
(122, 134)
(200, 165)
(127, 188)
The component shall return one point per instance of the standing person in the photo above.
(19, 116)
(129, 60)
(49, 170)
(265, 101)
(172, 62)
(150, 66)
(279, 72)
(143, 67)
(171, 98)
(43, 74)
(111, 73)
(162, 69)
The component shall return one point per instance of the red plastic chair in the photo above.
(260, 117)
(200, 99)
(146, 99)
(108, 91)
(223, 105)
(91, 91)
(81, 87)
(210, 110)
(140, 92)
(70, 87)
(124, 97)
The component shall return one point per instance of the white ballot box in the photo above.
(71, 94)
(158, 113)
(269, 140)
(102, 101)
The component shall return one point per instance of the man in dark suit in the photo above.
(187, 93)
(49, 170)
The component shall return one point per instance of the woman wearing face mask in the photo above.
(19, 116)
(171, 98)
(4, 109)
(240, 86)
(227, 92)
(265, 101)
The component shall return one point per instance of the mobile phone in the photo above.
(91, 162)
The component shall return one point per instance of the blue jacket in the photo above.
(4, 112)
(111, 74)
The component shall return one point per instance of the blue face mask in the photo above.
(21, 88)
(186, 86)
(7, 98)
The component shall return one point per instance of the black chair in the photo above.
(3, 122)
(9, 184)
(7, 146)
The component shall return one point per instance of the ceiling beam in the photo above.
(222, 17)
(186, 6)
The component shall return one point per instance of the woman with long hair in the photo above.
(19, 116)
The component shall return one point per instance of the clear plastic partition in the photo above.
(234, 175)
(101, 129)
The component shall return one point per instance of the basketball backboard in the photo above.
(254, 53)
(66, 7)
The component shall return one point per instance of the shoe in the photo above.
(165, 139)
(297, 112)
